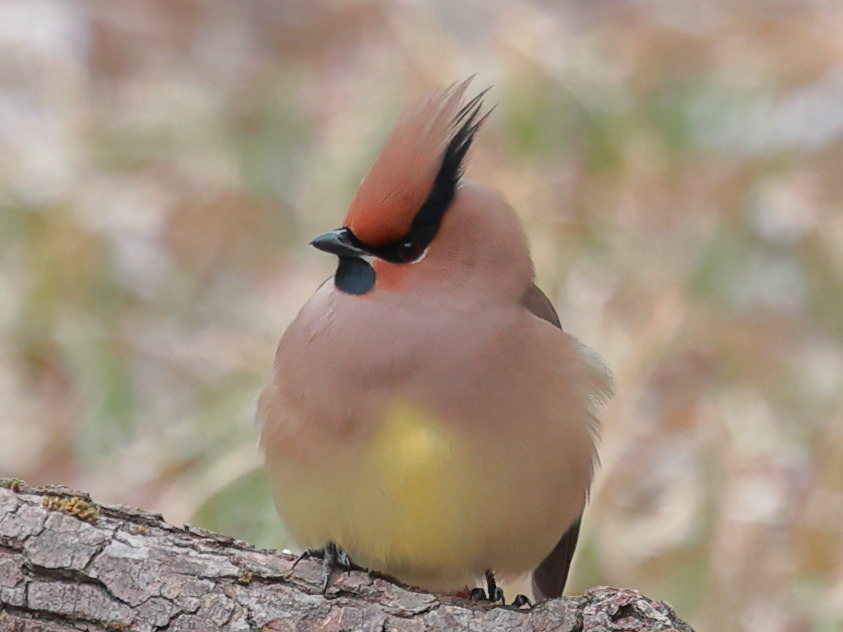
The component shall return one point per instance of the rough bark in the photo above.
(69, 564)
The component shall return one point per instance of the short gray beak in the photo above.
(337, 242)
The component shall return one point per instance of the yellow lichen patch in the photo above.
(12, 483)
(245, 578)
(73, 506)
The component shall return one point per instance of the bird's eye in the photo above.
(410, 251)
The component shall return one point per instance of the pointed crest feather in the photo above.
(428, 143)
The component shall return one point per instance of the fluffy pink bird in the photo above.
(427, 414)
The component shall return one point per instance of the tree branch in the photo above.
(69, 564)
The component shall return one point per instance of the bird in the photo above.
(427, 415)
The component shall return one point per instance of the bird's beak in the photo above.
(337, 242)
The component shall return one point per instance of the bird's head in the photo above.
(413, 218)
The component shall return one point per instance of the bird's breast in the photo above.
(418, 466)
(394, 496)
(425, 501)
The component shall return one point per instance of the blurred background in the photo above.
(679, 169)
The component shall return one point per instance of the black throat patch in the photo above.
(354, 276)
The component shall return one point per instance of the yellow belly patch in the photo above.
(424, 501)
(412, 491)
(413, 500)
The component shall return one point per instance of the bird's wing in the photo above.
(539, 305)
(550, 576)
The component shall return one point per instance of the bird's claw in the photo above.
(332, 557)
(520, 601)
(309, 554)
(477, 594)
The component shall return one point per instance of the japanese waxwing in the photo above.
(426, 413)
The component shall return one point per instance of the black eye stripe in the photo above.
(400, 251)
(410, 251)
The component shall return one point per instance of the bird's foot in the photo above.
(332, 558)
(494, 594)
(479, 595)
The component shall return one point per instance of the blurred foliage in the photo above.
(679, 168)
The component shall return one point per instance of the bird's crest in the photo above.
(414, 178)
